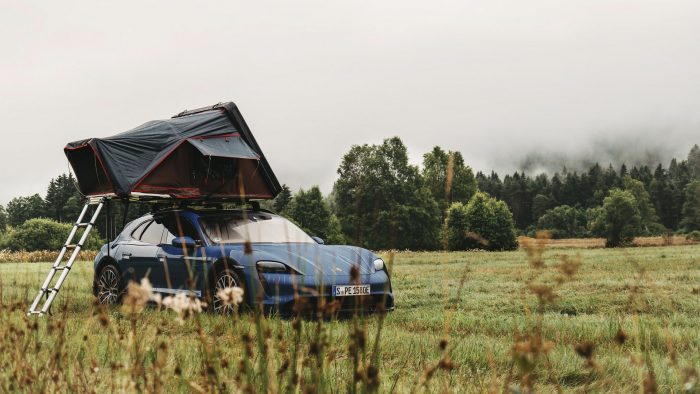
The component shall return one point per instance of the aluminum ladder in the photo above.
(51, 291)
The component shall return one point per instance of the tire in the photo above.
(225, 278)
(108, 287)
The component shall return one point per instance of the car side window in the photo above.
(178, 226)
(152, 234)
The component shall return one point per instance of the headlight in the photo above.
(274, 267)
(378, 264)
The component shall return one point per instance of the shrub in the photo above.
(564, 222)
(44, 234)
(484, 223)
(693, 236)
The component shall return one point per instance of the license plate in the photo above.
(355, 290)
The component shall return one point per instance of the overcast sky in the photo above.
(497, 80)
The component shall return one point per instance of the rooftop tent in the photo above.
(207, 152)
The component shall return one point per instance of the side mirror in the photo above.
(318, 240)
(186, 242)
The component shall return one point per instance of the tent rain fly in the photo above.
(199, 154)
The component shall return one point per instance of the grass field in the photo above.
(623, 320)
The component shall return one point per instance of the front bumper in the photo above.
(287, 294)
(328, 305)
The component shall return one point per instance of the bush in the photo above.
(44, 234)
(693, 236)
(564, 222)
(484, 223)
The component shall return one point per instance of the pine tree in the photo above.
(694, 161)
(3, 219)
(60, 190)
(283, 199)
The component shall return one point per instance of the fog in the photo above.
(511, 84)
(633, 148)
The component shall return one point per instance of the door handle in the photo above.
(126, 256)
(162, 258)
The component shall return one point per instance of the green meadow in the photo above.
(575, 320)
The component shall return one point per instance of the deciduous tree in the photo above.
(649, 221)
(308, 209)
(381, 200)
(21, 209)
(447, 177)
(618, 220)
(691, 207)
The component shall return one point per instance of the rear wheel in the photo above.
(108, 285)
(224, 279)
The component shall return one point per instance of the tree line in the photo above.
(381, 201)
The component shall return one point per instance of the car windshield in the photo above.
(253, 227)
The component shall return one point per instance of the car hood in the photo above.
(316, 259)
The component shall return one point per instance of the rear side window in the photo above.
(136, 234)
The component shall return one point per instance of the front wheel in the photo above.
(222, 303)
(108, 285)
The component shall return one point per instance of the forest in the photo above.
(382, 201)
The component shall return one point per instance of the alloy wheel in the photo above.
(108, 286)
(225, 280)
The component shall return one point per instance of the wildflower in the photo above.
(569, 266)
(137, 295)
(230, 295)
(183, 305)
(543, 292)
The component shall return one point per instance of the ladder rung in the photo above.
(82, 225)
(67, 268)
(50, 289)
(72, 246)
(35, 313)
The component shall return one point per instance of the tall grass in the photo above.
(535, 320)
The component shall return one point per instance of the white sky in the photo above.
(497, 80)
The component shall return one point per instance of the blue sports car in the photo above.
(279, 266)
